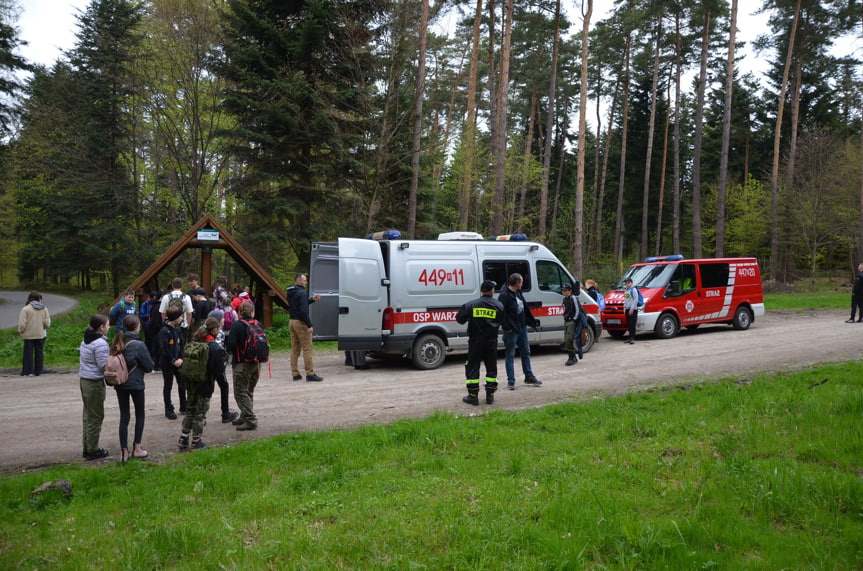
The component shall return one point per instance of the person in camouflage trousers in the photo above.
(245, 374)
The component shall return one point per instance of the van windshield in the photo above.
(648, 275)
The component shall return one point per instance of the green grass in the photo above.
(744, 473)
(827, 294)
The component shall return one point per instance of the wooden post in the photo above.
(206, 268)
(268, 308)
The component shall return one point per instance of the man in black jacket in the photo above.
(517, 317)
(301, 329)
(483, 317)
(857, 296)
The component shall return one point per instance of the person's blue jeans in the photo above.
(511, 341)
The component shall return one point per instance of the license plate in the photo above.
(614, 322)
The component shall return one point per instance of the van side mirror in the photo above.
(673, 288)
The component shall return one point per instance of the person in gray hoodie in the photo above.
(33, 321)
(138, 361)
(93, 354)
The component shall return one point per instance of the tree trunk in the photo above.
(726, 137)
(777, 136)
(578, 243)
(675, 216)
(645, 196)
(564, 122)
(502, 107)
(618, 225)
(528, 143)
(546, 159)
(657, 251)
(418, 123)
(598, 222)
(492, 93)
(470, 126)
(699, 134)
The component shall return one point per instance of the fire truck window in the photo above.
(499, 272)
(713, 275)
(687, 278)
(550, 276)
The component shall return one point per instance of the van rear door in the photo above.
(363, 294)
(324, 280)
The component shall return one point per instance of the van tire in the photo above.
(667, 326)
(590, 338)
(742, 318)
(428, 352)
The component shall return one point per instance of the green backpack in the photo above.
(195, 357)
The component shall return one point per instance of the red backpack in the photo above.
(256, 348)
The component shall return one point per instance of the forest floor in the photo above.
(40, 417)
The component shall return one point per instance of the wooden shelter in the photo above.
(207, 234)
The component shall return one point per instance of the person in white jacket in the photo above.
(33, 322)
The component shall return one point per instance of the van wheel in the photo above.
(666, 326)
(742, 318)
(429, 352)
(589, 338)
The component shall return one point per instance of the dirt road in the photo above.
(40, 417)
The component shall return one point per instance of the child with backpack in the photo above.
(129, 347)
(247, 345)
(203, 362)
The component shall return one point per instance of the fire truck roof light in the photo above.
(671, 258)
(385, 235)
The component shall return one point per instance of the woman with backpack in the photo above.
(204, 361)
(92, 354)
(138, 361)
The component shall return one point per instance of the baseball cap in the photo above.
(566, 287)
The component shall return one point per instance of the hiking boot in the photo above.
(571, 362)
(183, 442)
(238, 421)
(198, 444)
(229, 416)
(533, 381)
(298, 377)
(313, 379)
(471, 399)
(100, 453)
(247, 426)
(170, 414)
(490, 389)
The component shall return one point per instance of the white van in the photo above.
(400, 297)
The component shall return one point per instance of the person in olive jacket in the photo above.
(138, 361)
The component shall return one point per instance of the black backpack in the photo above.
(256, 348)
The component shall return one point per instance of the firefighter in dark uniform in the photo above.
(483, 316)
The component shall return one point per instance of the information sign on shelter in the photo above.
(208, 235)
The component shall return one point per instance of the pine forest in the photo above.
(609, 138)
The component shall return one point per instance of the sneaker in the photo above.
(247, 426)
(183, 442)
(570, 362)
(471, 399)
(100, 453)
(238, 421)
(510, 386)
(170, 414)
(313, 379)
(531, 380)
(298, 377)
(198, 444)
(229, 416)
(850, 321)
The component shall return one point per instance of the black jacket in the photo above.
(298, 304)
(514, 320)
(236, 338)
(172, 340)
(136, 354)
(571, 308)
(482, 315)
(858, 285)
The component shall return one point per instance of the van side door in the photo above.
(324, 280)
(712, 289)
(363, 294)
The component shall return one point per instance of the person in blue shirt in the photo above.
(126, 306)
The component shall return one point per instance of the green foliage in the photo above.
(750, 472)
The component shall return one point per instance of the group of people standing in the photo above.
(485, 315)
(181, 318)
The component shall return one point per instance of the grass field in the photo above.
(738, 473)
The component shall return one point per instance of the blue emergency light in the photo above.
(386, 235)
(671, 258)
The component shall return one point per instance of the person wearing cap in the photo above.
(516, 318)
(630, 308)
(172, 340)
(572, 324)
(483, 317)
(202, 307)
